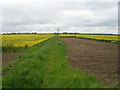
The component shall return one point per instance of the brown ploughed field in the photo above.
(94, 57)
(7, 57)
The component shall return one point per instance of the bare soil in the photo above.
(94, 57)
(7, 57)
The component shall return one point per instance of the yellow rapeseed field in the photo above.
(32, 39)
(97, 37)
(24, 40)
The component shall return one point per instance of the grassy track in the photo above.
(45, 66)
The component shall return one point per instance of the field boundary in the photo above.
(24, 43)
(13, 63)
(109, 41)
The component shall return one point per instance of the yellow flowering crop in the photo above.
(24, 39)
(97, 37)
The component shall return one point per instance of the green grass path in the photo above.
(45, 66)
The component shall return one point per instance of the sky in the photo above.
(44, 16)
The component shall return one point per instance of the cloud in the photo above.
(47, 15)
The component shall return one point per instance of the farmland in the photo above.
(12, 42)
(107, 38)
(53, 62)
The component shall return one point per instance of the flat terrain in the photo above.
(7, 57)
(93, 57)
(45, 66)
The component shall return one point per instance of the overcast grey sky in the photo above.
(45, 16)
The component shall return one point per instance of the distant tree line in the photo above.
(60, 33)
(20, 33)
(84, 33)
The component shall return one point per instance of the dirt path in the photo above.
(9, 56)
(93, 57)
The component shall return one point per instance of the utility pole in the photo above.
(58, 30)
